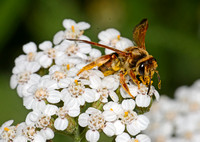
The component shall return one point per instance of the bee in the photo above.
(134, 61)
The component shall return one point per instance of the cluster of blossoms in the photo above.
(177, 120)
(46, 79)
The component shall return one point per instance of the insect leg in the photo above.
(133, 77)
(108, 72)
(98, 62)
(124, 85)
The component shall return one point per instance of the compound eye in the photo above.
(141, 69)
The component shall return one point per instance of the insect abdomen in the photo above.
(111, 66)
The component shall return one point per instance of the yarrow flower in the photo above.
(112, 37)
(96, 120)
(83, 105)
(72, 30)
(176, 120)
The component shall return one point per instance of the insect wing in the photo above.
(139, 33)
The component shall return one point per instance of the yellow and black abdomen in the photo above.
(111, 66)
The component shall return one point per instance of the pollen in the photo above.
(6, 129)
(68, 66)
(136, 140)
(118, 37)
(126, 114)
(72, 27)
(76, 81)
(111, 109)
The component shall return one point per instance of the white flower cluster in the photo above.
(177, 120)
(46, 80)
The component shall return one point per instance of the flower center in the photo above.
(103, 93)
(76, 89)
(29, 132)
(51, 53)
(23, 77)
(66, 67)
(128, 116)
(73, 32)
(6, 129)
(8, 133)
(43, 122)
(31, 56)
(136, 140)
(115, 40)
(72, 50)
(57, 75)
(41, 94)
(62, 112)
(96, 121)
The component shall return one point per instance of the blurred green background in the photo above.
(173, 37)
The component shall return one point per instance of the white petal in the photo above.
(34, 79)
(61, 124)
(81, 55)
(89, 95)
(45, 61)
(103, 36)
(20, 67)
(128, 104)
(54, 97)
(108, 51)
(124, 137)
(28, 101)
(19, 138)
(109, 115)
(83, 25)
(83, 37)
(20, 58)
(83, 119)
(39, 138)
(80, 100)
(95, 81)
(133, 129)
(95, 53)
(142, 122)
(32, 117)
(74, 112)
(119, 127)
(123, 44)
(47, 133)
(143, 100)
(29, 47)
(92, 110)
(50, 109)
(156, 95)
(71, 103)
(113, 96)
(45, 45)
(13, 81)
(109, 129)
(58, 37)
(67, 23)
(84, 48)
(38, 105)
(143, 138)
(92, 136)
(33, 67)
(113, 32)
(50, 84)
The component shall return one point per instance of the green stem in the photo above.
(77, 137)
(98, 105)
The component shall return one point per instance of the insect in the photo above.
(134, 61)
